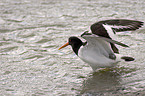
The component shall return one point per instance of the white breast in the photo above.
(96, 54)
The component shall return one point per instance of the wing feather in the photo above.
(117, 25)
(104, 38)
(108, 28)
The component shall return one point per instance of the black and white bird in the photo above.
(99, 50)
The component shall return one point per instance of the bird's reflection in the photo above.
(104, 81)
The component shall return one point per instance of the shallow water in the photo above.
(32, 31)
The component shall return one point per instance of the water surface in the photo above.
(32, 31)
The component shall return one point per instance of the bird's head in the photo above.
(73, 41)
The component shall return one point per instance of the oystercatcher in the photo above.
(99, 50)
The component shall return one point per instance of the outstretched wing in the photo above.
(117, 25)
(108, 28)
(95, 37)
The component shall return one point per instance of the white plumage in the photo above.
(97, 53)
(99, 50)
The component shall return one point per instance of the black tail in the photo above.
(126, 58)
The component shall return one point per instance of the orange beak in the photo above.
(64, 46)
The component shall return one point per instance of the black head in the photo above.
(74, 40)
(76, 43)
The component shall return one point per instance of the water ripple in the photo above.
(31, 33)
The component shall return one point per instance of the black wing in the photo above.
(117, 25)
